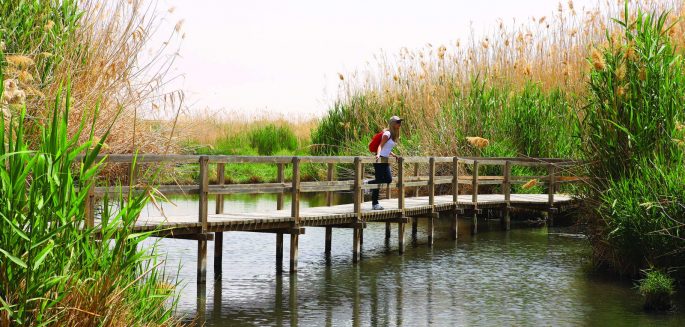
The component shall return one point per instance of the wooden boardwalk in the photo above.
(458, 180)
(344, 214)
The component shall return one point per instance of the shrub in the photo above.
(271, 138)
(657, 288)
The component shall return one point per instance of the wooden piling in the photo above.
(358, 200)
(219, 236)
(400, 236)
(329, 240)
(295, 214)
(454, 228)
(203, 215)
(474, 197)
(279, 253)
(294, 243)
(506, 189)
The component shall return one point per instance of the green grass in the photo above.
(657, 288)
(57, 271)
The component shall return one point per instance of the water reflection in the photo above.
(521, 277)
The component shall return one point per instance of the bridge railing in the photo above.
(402, 183)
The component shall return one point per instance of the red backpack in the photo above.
(375, 142)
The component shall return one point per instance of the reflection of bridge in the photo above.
(441, 176)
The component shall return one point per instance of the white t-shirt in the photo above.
(388, 146)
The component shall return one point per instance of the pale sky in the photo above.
(285, 56)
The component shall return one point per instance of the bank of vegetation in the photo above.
(73, 87)
(604, 85)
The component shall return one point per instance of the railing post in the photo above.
(551, 189)
(416, 174)
(90, 207)
(431, 199)
(455, 197)
(474, 197)
(358, 200)
(295, 213)
(506, 189)
(219, 236)
(203, 215)
(330, 177)
(280, 178)
(551, 186)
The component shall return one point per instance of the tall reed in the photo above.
(452, 91)
(631, 136)
(56, 271)
(98, 47)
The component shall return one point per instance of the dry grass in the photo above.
(102, 63)
(207, 127)
(549, 51)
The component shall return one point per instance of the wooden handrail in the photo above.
(190, 159)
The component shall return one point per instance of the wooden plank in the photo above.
(164, 189)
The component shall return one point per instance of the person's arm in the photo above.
(380, 146)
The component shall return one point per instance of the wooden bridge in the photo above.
(444, 190)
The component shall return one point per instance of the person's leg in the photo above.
(387, 174)
(377, 172)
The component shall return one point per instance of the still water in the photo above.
(524, 277)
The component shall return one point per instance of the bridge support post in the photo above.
(455, 197)
(387, 231)
(431, 227)
(329, 239)
(294, 240)
(279, 253)
(474, 197)
(400, 236)
(356, 244)
(414, 228)
(203, 215)
(219, 209)
(218, 253)
(454, 226)
(506, 189)
(506, 218)
(201, 261)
